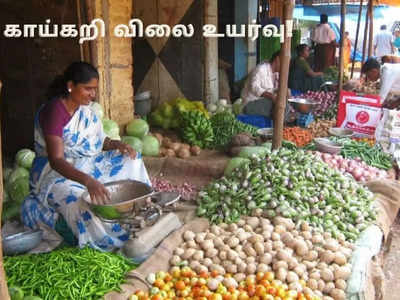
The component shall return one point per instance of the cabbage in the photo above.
(18, 172)
(250, 151)
(151, 146)
(19, 189)
(97, 109)
(138, 128)
(167, 110)
(134, 142)
(110, 128)
(25, 158)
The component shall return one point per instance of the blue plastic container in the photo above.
(254, 120)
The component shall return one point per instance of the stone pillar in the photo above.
(113, 58)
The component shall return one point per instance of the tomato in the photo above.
(227, 297)
(260, 290)
(159, 283)
(251, 289)
(269, 276)
(167, 278)
(260, 276)
(272, 291)
(203, 274)
(214, 273)
(216, 297)
(180, 285)
(156, 297)
(243, 296)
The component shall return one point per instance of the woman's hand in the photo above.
(97, 191)
(125, 149)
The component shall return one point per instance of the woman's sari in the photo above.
(52, 194)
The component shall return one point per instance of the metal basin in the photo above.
(22, 242)
(127, 197)
(302, 105)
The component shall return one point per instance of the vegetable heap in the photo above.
(297, 135)
(301, 258)
(371, 155)
(183, 283)
(16, 184)
(168, 114)
(225, 126)
(295, 185)
(70, 273)
(325, 101)
(357, 168)
(320, 128)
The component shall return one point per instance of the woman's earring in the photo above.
(69, 90)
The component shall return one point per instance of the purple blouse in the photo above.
(53, 118)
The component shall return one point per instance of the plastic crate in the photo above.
(254, 120)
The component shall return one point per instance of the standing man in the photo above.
(325, 45)
(383, 43)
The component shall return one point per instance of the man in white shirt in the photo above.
(325, 39)
(383, 43)
(259, 92)
(389, 75)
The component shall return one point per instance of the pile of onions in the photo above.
(356, 167)
(324, 99)
(186, 190)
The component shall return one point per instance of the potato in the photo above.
(183, 153)
(292, 277)
(340, 258)
(266, 259)
(280, 229)
(338, 294)
(283, 255)
(233, 242)
(170, 153)
(239, 277)
(301, 248)
(259, 247)
(253, 222)
(251, 268)
(195, 150)
(329, 286)
(331, 244)
(341, 284)
(166, 142)
(327, 275)
(281, 274)
(343, 272)
(327, 256)
(248, 249)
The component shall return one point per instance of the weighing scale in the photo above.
(133, 205)
(303, 108)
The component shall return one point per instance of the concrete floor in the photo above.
(392, 265)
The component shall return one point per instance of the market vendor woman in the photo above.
(301, 77)
(389, 75)
(74, 155)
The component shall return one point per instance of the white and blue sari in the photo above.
(52, 194)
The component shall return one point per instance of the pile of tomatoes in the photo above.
(185, 284)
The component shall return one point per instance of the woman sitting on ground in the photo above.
(74, 155)
(301, 77)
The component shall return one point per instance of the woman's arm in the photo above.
(302, 63)
(55, 150)
(110, 144)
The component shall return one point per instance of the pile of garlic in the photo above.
(304, 259)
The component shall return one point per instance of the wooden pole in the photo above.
(3, 283)
(371, 28)
(279, 111)
(342, 31)
(78, 12)
(356, 41)
(365, 37)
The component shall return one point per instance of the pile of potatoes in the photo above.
(176, 149)
(305, 260)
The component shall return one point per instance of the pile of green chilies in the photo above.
(69, 273)
(372, 156)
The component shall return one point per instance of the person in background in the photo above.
(346, 50)
(325, 45)
(396, 42)
(260, 89)
(301, 77)
(389, 75)
(73, 155)
(383, 43)
(390, 59)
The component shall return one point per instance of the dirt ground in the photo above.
(392, 264)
